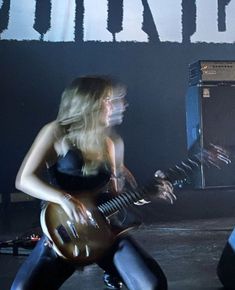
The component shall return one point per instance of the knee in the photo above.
(137, 268)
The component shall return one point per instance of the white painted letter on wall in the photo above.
(207, 23)
(167, 16)
(62, 21)
(95, 21)
(21, 20)
(132, 22)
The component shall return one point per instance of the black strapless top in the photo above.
(67, 173)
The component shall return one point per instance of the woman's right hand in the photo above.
(74, 209)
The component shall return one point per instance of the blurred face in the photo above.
(107, 110)
(119, 105)
(113, 111)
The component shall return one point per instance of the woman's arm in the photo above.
(29, 178)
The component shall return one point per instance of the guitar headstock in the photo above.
(214, 155)
(211, 156)
(164, 181)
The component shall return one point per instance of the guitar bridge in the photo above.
(73, 229)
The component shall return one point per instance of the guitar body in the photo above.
(80, 243)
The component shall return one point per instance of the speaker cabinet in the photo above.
(210, 118)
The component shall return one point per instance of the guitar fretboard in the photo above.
(120, 202)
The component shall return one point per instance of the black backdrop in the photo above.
(34, 73)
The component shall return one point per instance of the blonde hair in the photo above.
(80, 118)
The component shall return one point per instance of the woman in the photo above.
(80, 154)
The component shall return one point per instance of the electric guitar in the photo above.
(87, 243)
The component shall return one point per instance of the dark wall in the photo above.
(34, 73)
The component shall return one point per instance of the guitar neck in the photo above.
(120, 202)
(178, 175)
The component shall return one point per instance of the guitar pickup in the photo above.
(73, 229)
(61, 230)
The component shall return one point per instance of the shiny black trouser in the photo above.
(226, 265)
(44, 270)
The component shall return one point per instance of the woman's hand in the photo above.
(164, 187)
(74, 209)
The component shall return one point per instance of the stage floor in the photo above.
(188, 250)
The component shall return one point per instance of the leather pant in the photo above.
(43, 269)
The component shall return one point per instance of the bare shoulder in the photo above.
(46, 137)
(49, 130)
(116, 138)
(116, 142)
(42, 150)
(115, 146)
(110, 144)
(50, 127)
